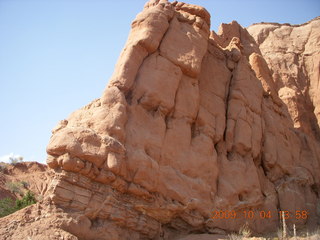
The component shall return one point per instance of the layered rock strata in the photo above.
(193, 122)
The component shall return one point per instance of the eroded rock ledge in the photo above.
(194, 121)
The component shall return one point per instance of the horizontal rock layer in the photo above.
(194, 122)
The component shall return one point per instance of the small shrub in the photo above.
(8, 206)
(14, 187)
(15, 160)
(27, 200)
(245, 231)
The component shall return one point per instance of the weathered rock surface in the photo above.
(194, 122)
(293, 55)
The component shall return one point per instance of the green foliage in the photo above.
(8, 206)
(27, 200)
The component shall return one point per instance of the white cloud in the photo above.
(6, 158)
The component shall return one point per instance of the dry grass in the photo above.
(302, 236)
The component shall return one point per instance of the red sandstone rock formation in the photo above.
(292, 54)
(193, 122)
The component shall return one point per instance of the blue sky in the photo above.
(56, 56)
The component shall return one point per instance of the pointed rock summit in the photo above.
(196, 131)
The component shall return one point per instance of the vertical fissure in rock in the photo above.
(229, 85)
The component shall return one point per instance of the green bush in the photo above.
(27, 200)
(8, 206)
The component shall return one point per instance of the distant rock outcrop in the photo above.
(193, 128)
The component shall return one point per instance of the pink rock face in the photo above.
(292, 54)
(194, 122)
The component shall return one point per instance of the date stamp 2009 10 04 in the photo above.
(251, 215)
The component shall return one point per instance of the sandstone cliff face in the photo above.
(293, 55)
(192, 122)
